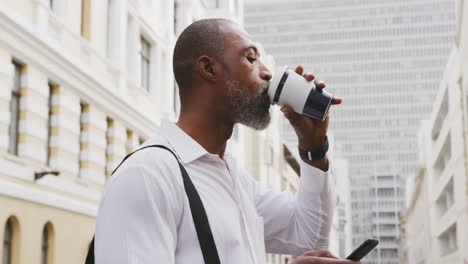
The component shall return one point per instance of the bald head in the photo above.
(203, 37)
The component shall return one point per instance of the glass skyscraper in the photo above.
(385, 59)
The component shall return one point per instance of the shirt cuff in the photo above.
(312, 178)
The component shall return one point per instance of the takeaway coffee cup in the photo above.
(289, 88)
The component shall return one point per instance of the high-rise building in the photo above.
(385, 59)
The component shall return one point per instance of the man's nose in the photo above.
(265, 74)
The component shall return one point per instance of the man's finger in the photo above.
(309, 76)
(331, 255)
(321, 253)
(320, 84)
(299, 70)
(336, 101)
(289, 113)
(321, 260)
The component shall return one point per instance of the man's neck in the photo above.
(209, 131)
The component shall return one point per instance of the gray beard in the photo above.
(252, 112)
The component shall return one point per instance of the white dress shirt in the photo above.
(144, 215)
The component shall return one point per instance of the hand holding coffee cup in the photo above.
(311, 131)
(303, 96)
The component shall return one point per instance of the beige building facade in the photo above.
(416, 221)
(436, 221)
(82, 83)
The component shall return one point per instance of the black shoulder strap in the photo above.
(202, 226)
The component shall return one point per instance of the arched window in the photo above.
(7, 242)
(10, 241)
(47, 244)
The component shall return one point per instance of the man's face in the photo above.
(246, 80)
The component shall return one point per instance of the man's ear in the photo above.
(206, 68)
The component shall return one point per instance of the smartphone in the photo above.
(363, 250)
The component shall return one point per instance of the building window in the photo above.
(448, 241)
(15, 109)
(7, 243)
(443, 157)
(49, 125)
(47, 244)
(86, 19)
(83, 129)
(441, 116)
(129, 146)
(446, 199)
(10, 243)
(110, 142)
(175, 17)
(145, 53)
(111, 21)
(129, 54)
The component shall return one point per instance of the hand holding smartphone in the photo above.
(363, 250)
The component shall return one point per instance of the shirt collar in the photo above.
(185, 146)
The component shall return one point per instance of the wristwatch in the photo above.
(316, 154)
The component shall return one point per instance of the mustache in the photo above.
(265, 87)
(263, 97)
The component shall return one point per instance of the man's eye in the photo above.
(251, 60)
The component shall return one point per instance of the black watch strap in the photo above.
(316, 154)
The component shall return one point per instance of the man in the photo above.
(144, 216)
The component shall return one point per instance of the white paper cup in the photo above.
(289, 88)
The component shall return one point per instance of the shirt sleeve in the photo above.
(301, 222)
(136, 221)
